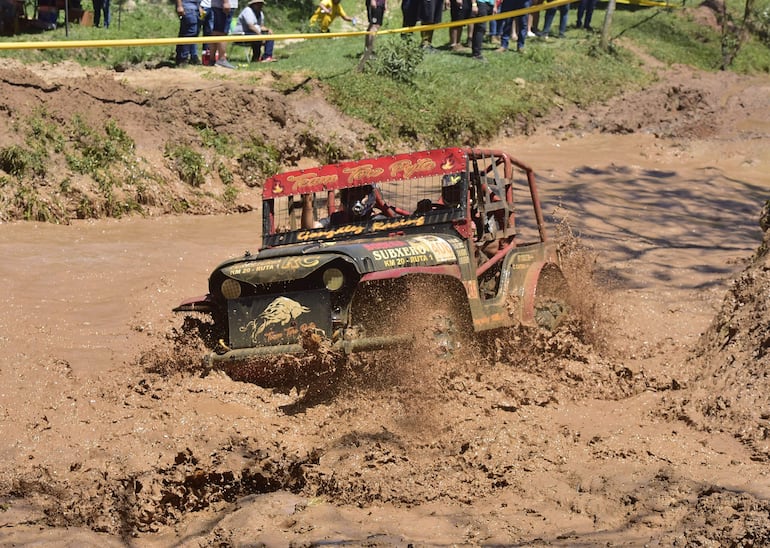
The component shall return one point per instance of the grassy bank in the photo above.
(412, 98)
(449, 98)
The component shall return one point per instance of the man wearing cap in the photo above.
(252, 21)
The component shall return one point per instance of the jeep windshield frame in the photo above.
(399, 184)
(406, 197)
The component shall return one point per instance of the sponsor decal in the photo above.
(344, 230)
(398, 222)
(363, 172)
(407, 168)
(266, 265)
(281, 311)
(440, 248)
(305, 180)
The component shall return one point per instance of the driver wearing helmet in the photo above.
(356, 204)
(451, 195)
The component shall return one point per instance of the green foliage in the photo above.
(22, 162)
(95, 151)
(22, 200)
(189, 164)
(398, 58)
(216, 140)
(258, 161)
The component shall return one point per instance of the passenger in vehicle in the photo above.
(451, 195)
(356, 205)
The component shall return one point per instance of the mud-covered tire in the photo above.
(442, 336)
(551, 298)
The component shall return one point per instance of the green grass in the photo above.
(446, 98)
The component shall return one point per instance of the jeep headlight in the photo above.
(231, 289)
(333, 279)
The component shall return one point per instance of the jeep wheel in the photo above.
(551, 298)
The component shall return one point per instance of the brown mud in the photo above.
(643, 424)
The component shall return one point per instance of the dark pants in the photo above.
(256, 49)
(419, 10)
(102, 6)
(550, 14)
(520, 21)
(478, 29)
(586, 7)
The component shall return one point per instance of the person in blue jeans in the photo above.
(520, 21)
(585, 7)
(550, 13)
(102, 6)
(189, 17)
(206, 21)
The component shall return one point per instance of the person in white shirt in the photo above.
(252, 21)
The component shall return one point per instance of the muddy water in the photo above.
(670, 225)
(665, 219)
(72, 291)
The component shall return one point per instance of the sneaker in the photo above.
(480, 58)
(266, 60)
(428, 48)
(182, 61)
(531, 34)
(224, 63)
(562, 35)
(501, 50)
(457, 47)
(194, 60)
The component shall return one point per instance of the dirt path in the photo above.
(582, 445)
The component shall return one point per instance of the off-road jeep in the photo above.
(346, 247)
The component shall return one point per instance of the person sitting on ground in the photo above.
(356, 205)
(252, 21)
(326, 12)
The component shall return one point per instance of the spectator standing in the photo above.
(585, 7)
(326, 12)
(223, 16)
(423, 11)
(550, 13)
(102, 7)
(375, 13)
(435, 11)
(534, 20)
(459, 10)
(252, 21)
(495, 26)
(206, 22)
(189, 16)
(516, 24)
(479, 8)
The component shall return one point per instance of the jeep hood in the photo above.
(371, 255)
